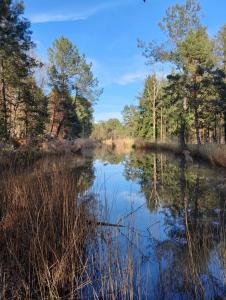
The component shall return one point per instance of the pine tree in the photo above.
(64, 65)
(149, 108)
(197, 58)
(15, 63)
(74, 89)
(221, 72)
(84, 113)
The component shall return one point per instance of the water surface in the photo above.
(112, 226)
(174, 218)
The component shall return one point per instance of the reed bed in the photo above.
(212, 153)
(216, 154)
(121, 144)
(53, 244)
(142, 144)
(45, 227)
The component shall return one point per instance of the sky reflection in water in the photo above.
(178, 214)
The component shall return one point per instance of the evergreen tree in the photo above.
(64, 65)
(84, 113)
(221, 73)
(16, 65)
(178, 21)
(130, 118)
(74, 89)
(196, 52)
(28, 117)
(149, 108)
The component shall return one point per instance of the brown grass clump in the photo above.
(68, 146)
(44, 231)
(216, 154)
(120, 145)
(142, 144)
(213, 153)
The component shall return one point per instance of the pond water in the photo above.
(173, 240)
(159, 227)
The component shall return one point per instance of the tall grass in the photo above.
(53, 246)
(44, 229)
(120, 145)
(213, 153)
(79, 145)
(216, 154)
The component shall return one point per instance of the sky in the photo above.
(106, 31)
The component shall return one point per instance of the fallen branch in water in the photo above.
(100, 223)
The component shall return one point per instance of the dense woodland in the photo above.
(186, 104)
(27, 111)
(189, 103)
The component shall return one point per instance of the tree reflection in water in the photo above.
(53, 204)
(193, 204)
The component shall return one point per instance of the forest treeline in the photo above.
(188, 103)
(54, 98)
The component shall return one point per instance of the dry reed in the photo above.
(213, 153)
(44, 232)
(52, 248)
(120, 145)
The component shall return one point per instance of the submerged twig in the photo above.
(100, 223)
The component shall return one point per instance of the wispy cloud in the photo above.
(134, 197)
(48, 18)
(125, 73)
(131, 77)
(79, 15)
(120, 71)
(139, 76)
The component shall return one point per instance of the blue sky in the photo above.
(107, 31)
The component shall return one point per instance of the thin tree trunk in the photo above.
(225, 127)
(26, 122)
(54, 113)
(154, 114)
(215, 129)
(196, 111)
(197, 127)
(4, 102)
(161, 126)
(182, 134)
(182, 129)
(208, 135)
(155, 196)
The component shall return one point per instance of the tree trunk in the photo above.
(4, 102)
(161, 126)
(215, 129)
(195, 103)
(55, 102)
(182, 133)
(182, 129)
(197, 127)
(26, 123)
(154, 190)
(154, 115)
(59, 127)
(225, 127)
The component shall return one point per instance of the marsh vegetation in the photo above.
(103, 218)
(112, 226)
